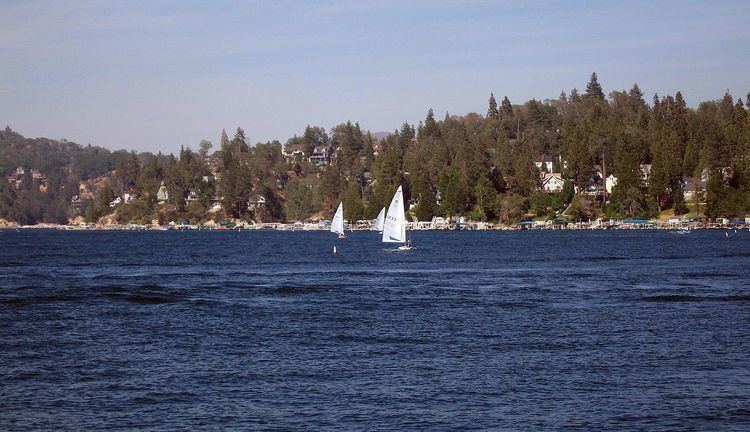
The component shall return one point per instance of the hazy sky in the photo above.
(155, 75)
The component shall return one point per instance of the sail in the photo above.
(337, 224)
(394, 226)
(379, 221)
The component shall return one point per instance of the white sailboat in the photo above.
(394, 225)
(337, 223)
(379, 221)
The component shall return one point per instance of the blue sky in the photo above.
(155, 75)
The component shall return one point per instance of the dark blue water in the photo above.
(269, 331)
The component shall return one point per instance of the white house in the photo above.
(610, 183)
(552, 182)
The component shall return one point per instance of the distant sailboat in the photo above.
(337, 224)
(394, 226)
(379, 221)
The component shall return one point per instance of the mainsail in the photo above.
(394, 226)
(337, 224)
(379, 221)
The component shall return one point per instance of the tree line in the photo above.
(481, 166)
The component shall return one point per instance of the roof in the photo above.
(550, 176)
(290, 147)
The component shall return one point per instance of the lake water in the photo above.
(472, 330)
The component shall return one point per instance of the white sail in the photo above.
(337, 224)
(394, 226)
(379, 221)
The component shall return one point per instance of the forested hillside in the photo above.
(579, 156)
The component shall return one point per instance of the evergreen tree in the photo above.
(506, 107)
(486, 197)
(430, 129)
(492, 111)
(455, 191)
(594, 89)
(574, 96)
(224, 138)
(715, 194)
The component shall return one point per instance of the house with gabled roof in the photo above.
(552, 182)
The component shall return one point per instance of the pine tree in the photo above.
(224, 138)
(594, 89)
(430, 129)
(239, 142)
(486, 197)
(492, 111)
(636, 93)
(506, 108)
(715, 194)
(575, 96)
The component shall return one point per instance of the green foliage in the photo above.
(512, 208)
(492, 111)
(486, 198)
(482, 166)
(594, 89)
(299, 201)
(455, 191)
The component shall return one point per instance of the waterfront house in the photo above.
(552, 182)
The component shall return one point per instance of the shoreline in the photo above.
(465, 227)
